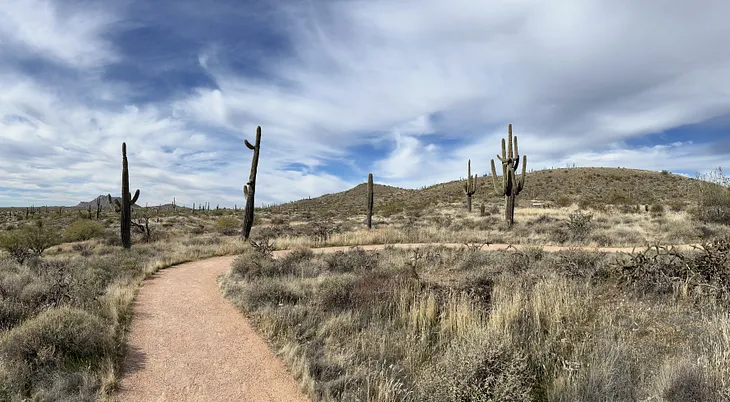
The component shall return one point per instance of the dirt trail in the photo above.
(188, 343)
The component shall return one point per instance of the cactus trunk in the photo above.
(509, 209)
(511, 185)
(370, 201)
(125, 206)
(470, 186)
(250, 188)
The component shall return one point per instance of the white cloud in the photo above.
(577, 79)
(45, 28)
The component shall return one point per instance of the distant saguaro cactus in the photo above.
(370, 201)
(125, 207)
(470, 186)
(250, 188)
(98, 207)
(511, 185)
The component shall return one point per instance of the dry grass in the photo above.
(453, 325)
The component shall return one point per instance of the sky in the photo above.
(407, 90)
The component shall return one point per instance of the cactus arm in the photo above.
(136, 196)
(504, 152)
(517, 152)
(509, 143)
(521, 182)
(248, 145)
(497, 189)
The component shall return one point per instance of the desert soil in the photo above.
(188, 343)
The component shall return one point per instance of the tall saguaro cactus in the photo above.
(370, 201)
(250, 188)
(470, 186)
(125, 206)
(511, 185)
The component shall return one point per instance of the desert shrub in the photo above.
(296, 261)
(713, 198)
(656, 209)
(563, 201)
(268, 292)
(661, 270)
(83, 229)
(39, 237)
(479, 370)
(609, 375)
(252, 265)
(56, 341)
(28, 240)
(202, 241)
(278, 220)
(580, 225)
(577, 263)
(676, 205)
(14, 243)
(227, 225)
(357, 260)
(685, 381)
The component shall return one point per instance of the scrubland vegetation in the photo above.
(437, 324)
(65, 308)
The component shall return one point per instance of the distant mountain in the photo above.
(104, 202)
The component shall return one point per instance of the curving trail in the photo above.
(188, 343)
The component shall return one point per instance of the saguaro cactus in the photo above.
(370, 201)
(125, 207)
(511, 185)
(250, 188)
(98, 207)
(470, 186)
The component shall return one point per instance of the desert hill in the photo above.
(593, 184)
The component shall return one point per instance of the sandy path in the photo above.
(188, 343)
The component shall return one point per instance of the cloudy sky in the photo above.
(408, 90)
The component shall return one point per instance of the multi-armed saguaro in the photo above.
(250, 188)
(370, 201)
(125, 207)
(470, 186)
(511, 185)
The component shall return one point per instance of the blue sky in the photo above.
(408, 90)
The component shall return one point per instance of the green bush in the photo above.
(28, 240)
(84, 229)
(227, 225)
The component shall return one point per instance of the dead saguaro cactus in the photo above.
(511, 185)
(250, 188)
(470, 186)
(125, 206)
(370, 201)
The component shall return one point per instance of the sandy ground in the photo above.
(188, 343)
